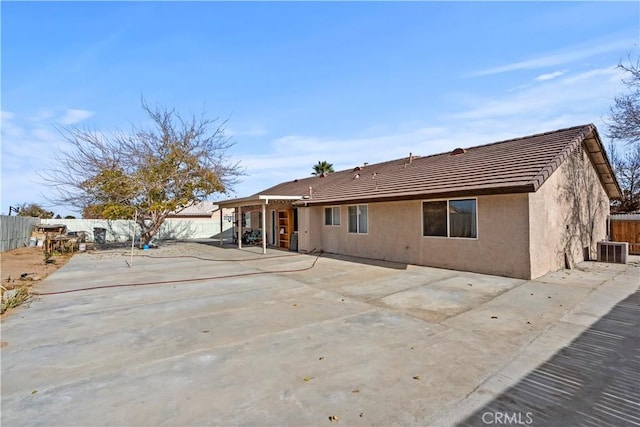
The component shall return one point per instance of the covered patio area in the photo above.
(282, 221)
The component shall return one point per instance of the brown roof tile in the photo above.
(512, 166)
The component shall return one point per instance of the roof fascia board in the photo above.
(261, 199)
(616, 192)
(554, 164)
(528, 188)
(589, 132)
(268, 197)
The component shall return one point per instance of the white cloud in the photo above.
(248, 131)
(9, 128)
(28, 147)
(565, 100)
(560, 57)
(6, 115)
(73, 116)
(550, 76)
(580, 92)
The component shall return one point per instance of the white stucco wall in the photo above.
(395, 234)
(554, 230)
(173, 228)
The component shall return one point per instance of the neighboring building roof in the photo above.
(204, 209)
(46, 227)
(514, 166)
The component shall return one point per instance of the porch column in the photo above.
(239, 218)
(264, 228)
(221, 229)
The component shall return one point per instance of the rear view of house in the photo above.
(517, 208)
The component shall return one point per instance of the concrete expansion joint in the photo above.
(165, 300)
(427, 283)
(471, 308)
(103, 378)
(459, 404)
(592, 291)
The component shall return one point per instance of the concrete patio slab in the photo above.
(193, 334)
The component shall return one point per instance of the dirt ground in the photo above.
(29, 260)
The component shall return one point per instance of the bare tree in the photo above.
(624, 119)
(627, 170)
(145, 174)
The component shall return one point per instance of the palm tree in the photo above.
(322, 168)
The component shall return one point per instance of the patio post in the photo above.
(264, 228)
(239, 219)
(221, 228)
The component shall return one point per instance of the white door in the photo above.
(303, 230)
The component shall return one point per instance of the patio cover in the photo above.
(255, 200)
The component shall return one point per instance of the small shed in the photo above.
(42, 231)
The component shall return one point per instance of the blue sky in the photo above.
(302, 81)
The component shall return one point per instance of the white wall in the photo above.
(173, 228)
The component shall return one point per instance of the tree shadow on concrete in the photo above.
(594, 381)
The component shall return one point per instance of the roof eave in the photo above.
(525, 188)
(260, 199)
(602, 165)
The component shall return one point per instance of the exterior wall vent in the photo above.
(614, 252)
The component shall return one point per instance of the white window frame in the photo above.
(448, 236)
(358, 219)
(333, 209)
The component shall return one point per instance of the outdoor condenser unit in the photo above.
(615, 252)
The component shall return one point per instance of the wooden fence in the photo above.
(626, 228)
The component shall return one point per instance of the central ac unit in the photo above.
(615, 252)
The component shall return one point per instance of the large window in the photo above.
(450, 218)
(332, 215)
(358, 219)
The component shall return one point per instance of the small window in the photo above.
(450, 218)
(462, 218)
(434, 216)
(332, 215)
(358, 222)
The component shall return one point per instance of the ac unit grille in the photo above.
(614, 252)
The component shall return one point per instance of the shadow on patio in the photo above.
(594, 381)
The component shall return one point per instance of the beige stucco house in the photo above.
(517, 208)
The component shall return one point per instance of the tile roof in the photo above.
(512, 166)
(204, 209)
